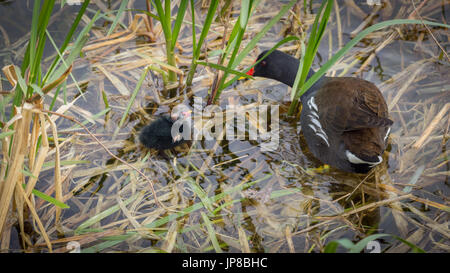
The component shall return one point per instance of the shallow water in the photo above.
(278, 212)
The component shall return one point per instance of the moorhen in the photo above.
(345, 120)
(158, 134)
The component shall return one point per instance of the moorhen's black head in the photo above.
(277, 65)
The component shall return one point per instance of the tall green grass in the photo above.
(170, 34)
(31, 69)
(232, 55)
(197, 46)
(300, 86)
(315, 37)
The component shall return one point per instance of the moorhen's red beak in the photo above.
(251, 71)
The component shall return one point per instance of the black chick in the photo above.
(158, 134)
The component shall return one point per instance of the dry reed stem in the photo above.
(243, 240)
(288, 234)
(35, 216)
(58, 185)
(405, 86)
(123, 90)
(83, 239)
(429, 30)
(19, 151)
(42, 155)
(171, 236)
(426, 134)
(415, 198)
(130, 34)
(10, 74)
(366, 21)
(368, 206)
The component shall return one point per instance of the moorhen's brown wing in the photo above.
(355, 110)
(348, 104)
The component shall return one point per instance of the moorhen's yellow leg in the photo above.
(322, 169)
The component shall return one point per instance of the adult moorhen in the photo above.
(158, 134)
(345, 120)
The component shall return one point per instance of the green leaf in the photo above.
(358, 247)
(37, 89)
(224, 68)
(48, 198)
(178, 21)
(315, 36)
(331, 247)
(122, 7)
(28, 173)
(245, 9)
(211, 233)
(262, 32)
(20, 80)
(201, 194)
(194, 43)
(206, 26)
(105, 99)
(214, 53)
(131, 101)
(64, 163)
(98, 217)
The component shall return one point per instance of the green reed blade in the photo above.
(207, 24)
(69, 37)
(319, 73)
(178, 21)
(122, 7)
(131, 101)
(211, 233)
(315, 37)
(224, 68)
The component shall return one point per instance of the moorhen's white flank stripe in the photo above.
(312, 104)
(316, 126)
(387, 134)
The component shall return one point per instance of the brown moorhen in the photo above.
(345, 120)
(158, 134)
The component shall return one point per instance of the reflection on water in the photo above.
(291, 207)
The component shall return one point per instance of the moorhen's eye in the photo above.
(263, 63)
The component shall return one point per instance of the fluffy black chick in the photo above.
(158, 134)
